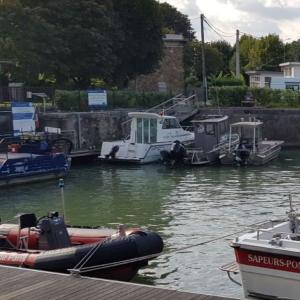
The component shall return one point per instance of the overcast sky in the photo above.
(256, 17)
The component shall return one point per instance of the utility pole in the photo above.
(204, 82)
(237, 55)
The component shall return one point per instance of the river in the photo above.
(186, 206)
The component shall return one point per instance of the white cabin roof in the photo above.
(142, 114)
(212, 119)
(247, 124)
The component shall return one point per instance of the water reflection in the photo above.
(186, 206)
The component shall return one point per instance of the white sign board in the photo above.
(23, 116)
(97, 97)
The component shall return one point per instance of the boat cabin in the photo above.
(209, 130)
(250, 133)
(150, 128)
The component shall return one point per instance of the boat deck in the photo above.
(17, 283)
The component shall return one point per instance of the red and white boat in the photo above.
(47, 244)
(269, 260)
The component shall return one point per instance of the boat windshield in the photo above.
(247, 134)
(170, 124)
(146, 130)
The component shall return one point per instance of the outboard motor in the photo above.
(175, 156)
(53, 233)
(242, 154)
(112, 153)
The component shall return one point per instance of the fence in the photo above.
(16, 92)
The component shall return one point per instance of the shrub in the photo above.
(233, 96)
(78, 101)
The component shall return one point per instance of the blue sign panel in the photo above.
(97, 98)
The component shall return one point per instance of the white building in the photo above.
(288, 78)
(261, 79)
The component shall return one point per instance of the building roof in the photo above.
(258, 72)
(290, 63)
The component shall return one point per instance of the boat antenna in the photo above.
(61, 185)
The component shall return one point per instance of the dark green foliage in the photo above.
(266, 97)
(174, 21)
(79, 40)
(78, 101)
(261, 54)
(227, 52)
(292, 51)
(227, 96)
(226, 81)
(140, 45)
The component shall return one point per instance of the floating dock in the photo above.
(25, 284)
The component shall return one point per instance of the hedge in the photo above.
(78, 100)
(233, 96)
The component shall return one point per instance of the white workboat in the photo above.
(269, 260)
(250, 148)
(150, 133)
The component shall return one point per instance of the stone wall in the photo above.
(169, 76)
(89, 129)
(279, 124)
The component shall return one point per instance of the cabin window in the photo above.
(209, 129)
(146, 131)
(223, 128)
(139, 128)
(153, 131)
(170, 124)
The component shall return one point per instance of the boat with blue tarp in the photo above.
(32, 160)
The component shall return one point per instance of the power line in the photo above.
(221, 32)
(215, 31)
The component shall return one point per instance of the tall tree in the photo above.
(174, 21)
(226, 50)
(213, 58)
(272, 52)
(140, 49)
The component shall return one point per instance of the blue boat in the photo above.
(30, 162)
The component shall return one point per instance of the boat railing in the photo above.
(226, 146)
(188, 128)
(264, 151)
(165, 104)
(179, 101)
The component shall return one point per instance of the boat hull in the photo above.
(137, 153)
(20, 168)
(269, 275)
(30, 178)
(255, 159)
(117, 259)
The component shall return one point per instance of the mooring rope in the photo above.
(220, 237)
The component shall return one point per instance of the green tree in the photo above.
(140, 47)
(213, 59)
(292, 51)
(227, 52)
(272, 52)
(174, 21)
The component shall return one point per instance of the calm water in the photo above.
(186, 206)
